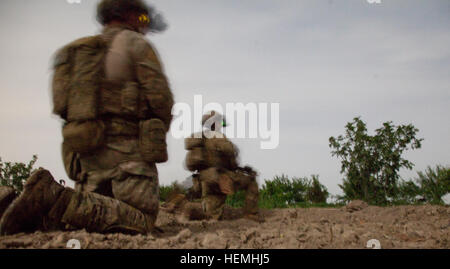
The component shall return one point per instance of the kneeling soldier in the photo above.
(214, 160)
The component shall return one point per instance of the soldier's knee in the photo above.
(138, 191)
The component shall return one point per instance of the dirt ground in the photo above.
(347, 227)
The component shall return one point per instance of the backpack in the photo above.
(77, 78)
(210, 152)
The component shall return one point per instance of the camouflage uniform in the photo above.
(215, 159)
(117, 188)
(117, 169)
(7, 195)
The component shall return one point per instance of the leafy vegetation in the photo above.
(316, 192)
(429, 187)
(434, 183)
(166, 191)
(280, 192)
(371, 164)
(283, 192)
(15, 174)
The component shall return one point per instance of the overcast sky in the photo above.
(325, 62)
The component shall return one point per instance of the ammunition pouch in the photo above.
(152, 141)
(226, 184)
(83, 136)
(195, 160)
(204, 153)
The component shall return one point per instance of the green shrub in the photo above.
(15, 174)
(408, 192)
(166, 191)
(430, 186)
(282, 192)
(316, 192)
(434, 183)
(236, 200)
(371, 163)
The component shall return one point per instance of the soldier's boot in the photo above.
(26, 213)
(46, 205)
(102, 214)
(7, 196)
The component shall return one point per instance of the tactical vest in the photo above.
(204, 153)
(87, 102)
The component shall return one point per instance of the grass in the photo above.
(237, 200)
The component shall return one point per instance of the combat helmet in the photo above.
(116, 10)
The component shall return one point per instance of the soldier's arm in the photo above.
(150, 75)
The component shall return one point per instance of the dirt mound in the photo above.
(394, 227)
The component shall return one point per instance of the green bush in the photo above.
(434, 183)
(371, 163)
(236, 200)
(408, 192)
(282, 192)
(430, 186)
(166, 191)
(15, 174)
(316, 192)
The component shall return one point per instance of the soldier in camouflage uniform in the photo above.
(214, 158)
(7, 195)
(117, 188)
